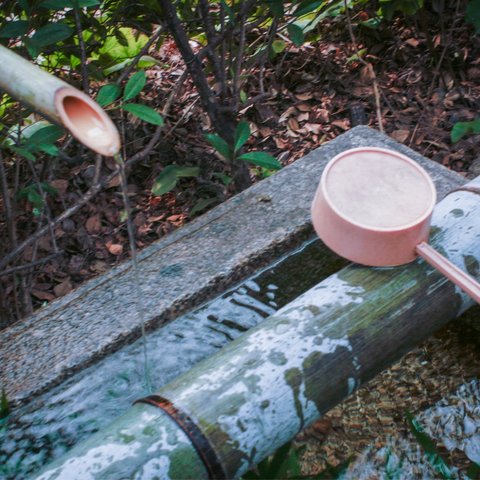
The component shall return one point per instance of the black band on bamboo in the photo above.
(199, 440)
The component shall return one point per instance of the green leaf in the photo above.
(34, 198)
(22, 152)
(113, 52)
(243, 96)
(296, 34)
(167, 180)
(45, 135)
(147, 61)
(473, 470)
(14, 29)
(431, 452)
(460, 129)
(62, 4)
(49, 149)
(271, 468)
(134, 85)
(186, 171)
(144, 113)
(226, 180)
(276, 7)
(242, 132)
(261, 159)
(202, 204)
(219, 144)
(278, 46)
(108, 94)
(4, 407)
(472, 14)
(50, 34)
(307, 6)
(228, 9)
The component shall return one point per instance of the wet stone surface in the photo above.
(54, 421)
(198, 262)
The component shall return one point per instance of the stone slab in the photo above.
(179, 272)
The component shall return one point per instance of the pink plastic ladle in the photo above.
(373, 206)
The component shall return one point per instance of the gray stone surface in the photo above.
(178, 272)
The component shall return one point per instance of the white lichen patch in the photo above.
(92, 462)
(463, 238)
(455, 421)
(399, 459)
(252, 285)
(351, 385)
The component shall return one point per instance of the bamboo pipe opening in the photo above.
(87, 121)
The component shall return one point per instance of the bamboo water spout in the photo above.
(240, 405)
(58, 101)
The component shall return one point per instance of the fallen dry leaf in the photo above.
(63, 288)
(313, 128)
(413, 42)
(281, 143)
(287, 113)
(60, 185)
(400, 135)
(304, 107)
(41, 295)
(99, 266)
(114, 248)
(343, 124)
(323, 115)
(303, 117)
(292, 124)
(114, 182)
(94, 225)
(304, 96)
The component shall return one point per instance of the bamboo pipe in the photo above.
(254, 395)
(58, 101)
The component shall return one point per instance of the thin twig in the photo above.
(368, 65)
(45, 203)
(238, 65)
(176, 89)
(98, 169)
(83, 50)
(27, 266)
(7, 206)
(180, 120)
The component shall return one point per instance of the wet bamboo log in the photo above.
(58, 101)
(238, 406)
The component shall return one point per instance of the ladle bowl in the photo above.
(373, 206)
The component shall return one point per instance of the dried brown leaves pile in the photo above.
(428, 81)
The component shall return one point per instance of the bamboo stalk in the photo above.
(254, 395)
(58, 101)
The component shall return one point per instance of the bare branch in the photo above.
(83, 50)
(211, 38)
(30, 265)
(7, 206)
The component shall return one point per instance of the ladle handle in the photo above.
(467, 283)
